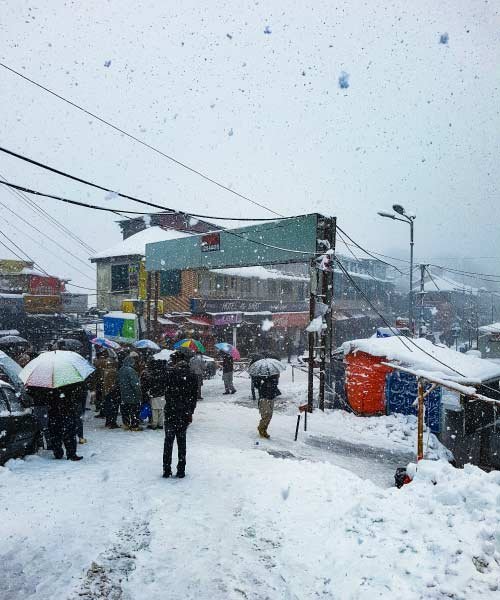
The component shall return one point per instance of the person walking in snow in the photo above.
(268, 391)
(181, 394)
(130, 391)
(197, 366)
(227, 374)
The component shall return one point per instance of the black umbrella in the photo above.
(13, 340)
(69, 344)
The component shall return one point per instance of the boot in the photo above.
(167, 473)
(180, 474)
(82, 440)
(75, 458)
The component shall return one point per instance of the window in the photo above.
(170, 283)
(119, 278)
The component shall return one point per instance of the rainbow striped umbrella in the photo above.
(56, 369)
(194, 345)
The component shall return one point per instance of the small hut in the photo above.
(470, 429)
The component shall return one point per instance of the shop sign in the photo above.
(201, 305)
(284, 320)
(210, 242)
(227, 319)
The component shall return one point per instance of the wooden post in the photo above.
(420, 421)
(155, 306)
(148, 305)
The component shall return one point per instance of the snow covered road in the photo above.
(243, 524)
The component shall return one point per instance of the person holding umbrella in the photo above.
(229, 354)
(266, 374)
(57, 380)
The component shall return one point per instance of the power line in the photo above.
(45, 235)
(138, 140)
(366, 251)
(117, 212)
(21, 250)
(30, 203)
(120, 194)
(59, 258)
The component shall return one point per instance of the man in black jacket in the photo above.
(180, 401)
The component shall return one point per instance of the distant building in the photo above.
(233, 303)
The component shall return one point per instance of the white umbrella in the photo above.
(55, 369)
(163, 354)
(146, 345)
(266, 367)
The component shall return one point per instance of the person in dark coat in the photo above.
(181, 394)
(63, 408)
(268, 391)
(130, 391)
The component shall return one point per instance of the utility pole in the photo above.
(422, 296)
(326, 338)
(155, 306)
(311, 339)
(148, 305)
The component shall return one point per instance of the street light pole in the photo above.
(410, 311)
(406, 218)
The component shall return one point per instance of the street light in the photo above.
(405, 218)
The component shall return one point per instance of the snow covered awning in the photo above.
(423, 355)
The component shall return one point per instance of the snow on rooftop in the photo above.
(135, 245)
(492, 328)
(421, 354)
(445, 284)
(258, 273)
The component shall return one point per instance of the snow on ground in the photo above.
(245, 524)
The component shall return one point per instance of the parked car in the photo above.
(18, 427)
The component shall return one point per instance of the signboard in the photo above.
(222, 319)
(201, 305)
(273, 242)
(42, 305)
(292, 319)
(75, 303)
(121, 327)
(210, 242)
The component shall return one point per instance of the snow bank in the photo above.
(415, 354)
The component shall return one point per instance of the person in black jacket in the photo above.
(268, 391)
(180, 401)
(64, 406)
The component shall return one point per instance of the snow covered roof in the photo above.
(423, 355)
(135, 245)
(439, 283)
(118, 314)
(259, 273)
(492, 328)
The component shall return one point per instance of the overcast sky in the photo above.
(248, 92)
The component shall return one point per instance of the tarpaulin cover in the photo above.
(401, 391)
(365, 383)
